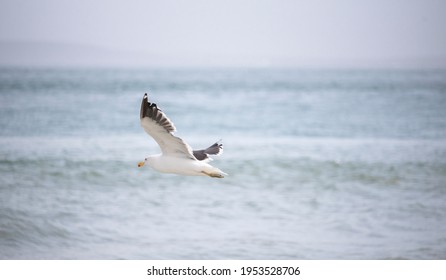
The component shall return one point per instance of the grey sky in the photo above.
(225, 33)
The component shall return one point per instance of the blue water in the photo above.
(322, 164)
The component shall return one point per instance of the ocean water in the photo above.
(322, 164)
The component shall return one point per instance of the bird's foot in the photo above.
(213, 175)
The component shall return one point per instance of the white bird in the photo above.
(177, 156)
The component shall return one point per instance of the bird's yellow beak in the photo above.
(141, 164)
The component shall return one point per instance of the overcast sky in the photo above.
(224, 33)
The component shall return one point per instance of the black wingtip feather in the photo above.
(151, 111)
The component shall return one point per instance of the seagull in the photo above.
(176, 156)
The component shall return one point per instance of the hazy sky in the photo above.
(225, 33)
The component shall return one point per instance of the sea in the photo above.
(321, 163)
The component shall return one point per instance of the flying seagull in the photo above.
(176, 156)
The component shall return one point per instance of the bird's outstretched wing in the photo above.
(161, 128)
(215, 149)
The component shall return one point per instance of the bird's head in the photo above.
(141, 163)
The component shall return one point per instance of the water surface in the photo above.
(323, 164)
